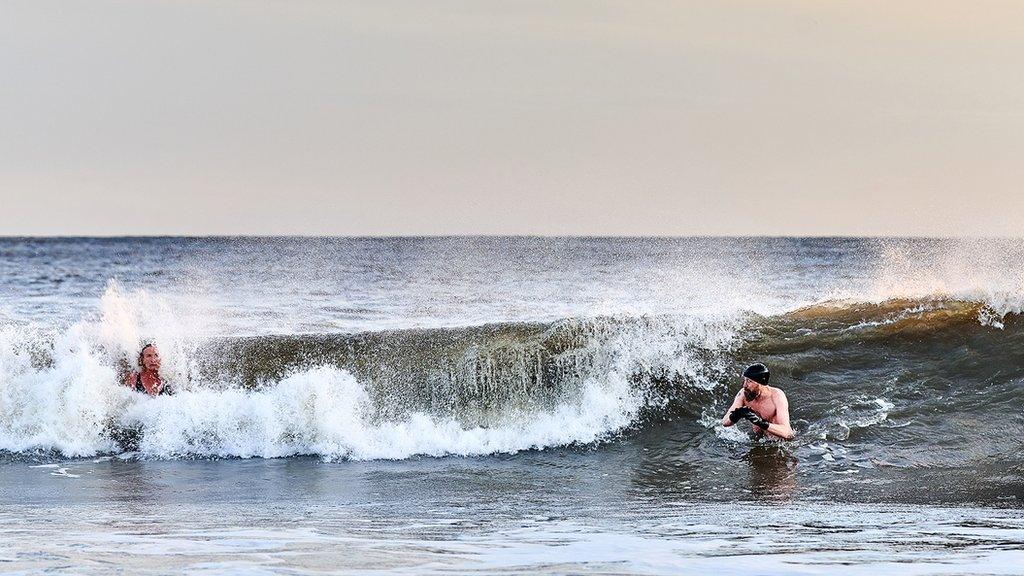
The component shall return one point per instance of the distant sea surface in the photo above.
(510, 405)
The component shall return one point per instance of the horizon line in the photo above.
(499, 236)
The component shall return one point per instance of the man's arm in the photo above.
(780, 427)
(735, 404)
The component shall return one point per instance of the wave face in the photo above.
(903, 383)
(896, 383)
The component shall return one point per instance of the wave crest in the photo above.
(492, 389)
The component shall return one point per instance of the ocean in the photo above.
(521, 405)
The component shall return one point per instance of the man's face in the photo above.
(151, 359)
(751, 389)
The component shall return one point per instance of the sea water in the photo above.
(510, 405)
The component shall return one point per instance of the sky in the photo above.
(789, 117)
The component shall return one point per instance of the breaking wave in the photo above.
(857, 366)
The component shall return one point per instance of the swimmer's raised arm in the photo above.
(736, 403)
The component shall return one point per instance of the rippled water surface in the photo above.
(543, 513)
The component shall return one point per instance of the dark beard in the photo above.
(750, 395)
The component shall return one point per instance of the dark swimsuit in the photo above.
(140, 388)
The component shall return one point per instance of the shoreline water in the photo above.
(475, 516)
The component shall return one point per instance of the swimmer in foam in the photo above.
(760, 404)
(147, 379)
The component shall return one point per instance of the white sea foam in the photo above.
(323, 411)
(68, 402)
(326, 411)
(61, 407)
(71, 403)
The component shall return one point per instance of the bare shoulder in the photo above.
(778, 393)
(739, 400)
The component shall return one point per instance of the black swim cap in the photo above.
(757, 372)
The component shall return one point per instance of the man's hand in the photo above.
(742, 412)
(754, 419)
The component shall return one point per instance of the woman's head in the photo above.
(149, 358)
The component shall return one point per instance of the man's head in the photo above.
(755, 376)
(149, 358)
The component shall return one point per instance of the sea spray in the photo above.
(65, 405)
(451, 347)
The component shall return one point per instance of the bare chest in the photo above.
(764, 406)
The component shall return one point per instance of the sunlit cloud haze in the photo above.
(610, 118)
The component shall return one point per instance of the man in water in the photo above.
(760, 404)
(148, 378)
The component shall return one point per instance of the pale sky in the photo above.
(800, 117)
